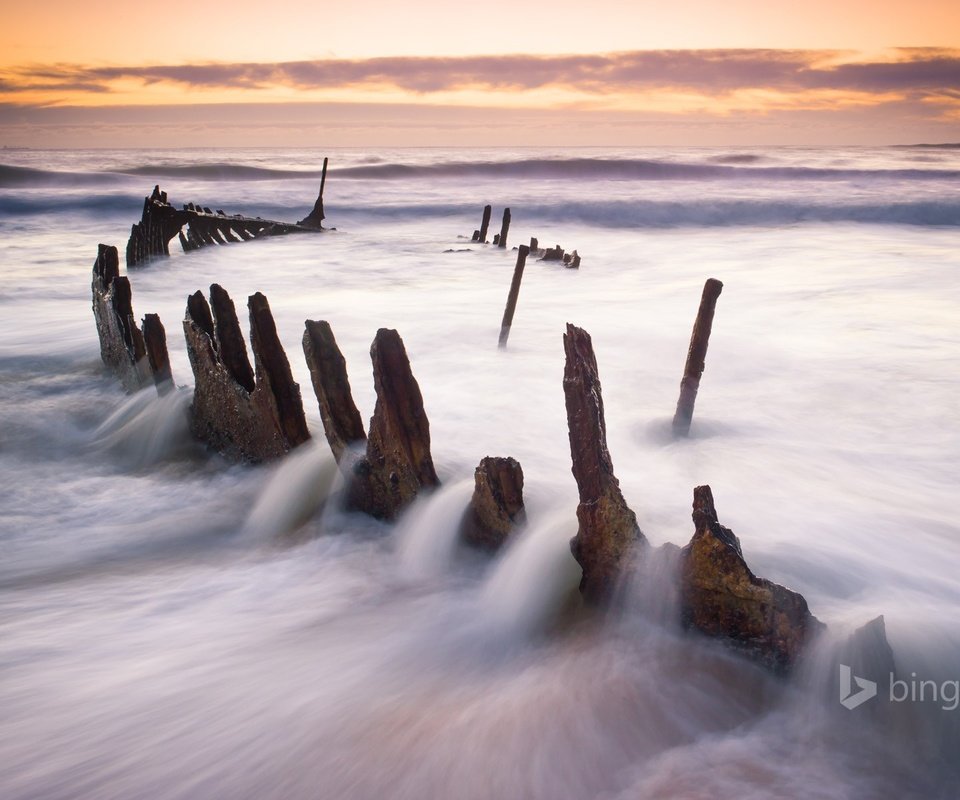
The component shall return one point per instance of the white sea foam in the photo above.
(139, 631)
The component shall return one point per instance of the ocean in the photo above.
(175, 626)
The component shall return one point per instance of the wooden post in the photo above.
(514, 293)
(504, 227)
(534, 244)
(316, 217)
(484, 224)
(155, 340)
(696, 357)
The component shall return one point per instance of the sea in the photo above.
(175, 626)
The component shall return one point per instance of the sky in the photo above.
(374, 73)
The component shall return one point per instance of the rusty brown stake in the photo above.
(696, 357)
(504, 228)
(522, 254)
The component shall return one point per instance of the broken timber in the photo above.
(721, 597)
(245, 415)
(496, 508)
(608, 535)
(696, 357)
(511, 306)
(138, 358)
(161, 222)
(397, 463)
(557, 253)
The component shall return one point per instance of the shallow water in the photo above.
(175, 627)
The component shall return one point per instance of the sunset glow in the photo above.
(747, 59)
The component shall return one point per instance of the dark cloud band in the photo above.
(915, 71)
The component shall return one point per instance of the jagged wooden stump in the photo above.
(608, 536)
(397, 463)
(721, 597)
(245, 416)
(496, 507)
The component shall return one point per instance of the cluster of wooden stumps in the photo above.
(524, 251)
(555, 253)
(254, 413)
(197, 226)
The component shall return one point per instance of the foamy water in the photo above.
(175, 627)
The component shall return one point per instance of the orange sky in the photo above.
(757, 70)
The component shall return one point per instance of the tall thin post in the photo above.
(316, 217)
(696, 357)
(504, 227)
(323, 176)
(485, 223)
(511, 307)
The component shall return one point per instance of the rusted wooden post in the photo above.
(504, 228)
(511, 306)
(696, 357)
(484, 224)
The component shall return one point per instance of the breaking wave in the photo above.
(632, 169)
(729, 167)
(707, 213)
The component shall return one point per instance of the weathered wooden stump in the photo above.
(245, 415)
(328, 372)
(514, 293)
(122, 348)
(155, 342)
(722, 598)
(608, 537)
(696, 357)
(553, 254)
(496, 508)
(397, 464)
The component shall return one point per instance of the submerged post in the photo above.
(484, 224)
(696, 357)
(504, 228)
(511, 306)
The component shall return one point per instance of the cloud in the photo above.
(915, 72)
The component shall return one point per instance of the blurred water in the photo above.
(174, 627)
